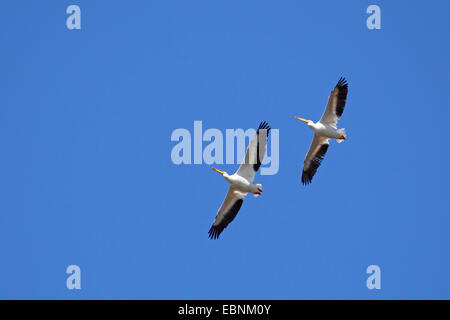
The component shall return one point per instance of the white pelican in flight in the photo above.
(241, 182)
(325, 129)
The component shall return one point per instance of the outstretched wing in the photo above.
(227, 212)
(336, 103)
(314, 157)
(255, 153)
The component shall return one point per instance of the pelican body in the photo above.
(325, 129)
(241, 182)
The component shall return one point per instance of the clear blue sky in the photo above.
(86, 176)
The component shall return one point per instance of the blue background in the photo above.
(86, 176)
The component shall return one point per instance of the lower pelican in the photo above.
(241, 182)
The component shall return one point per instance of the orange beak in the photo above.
(304, 120)
(219, 171)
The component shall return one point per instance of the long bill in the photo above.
(304, 120)
(219, 171)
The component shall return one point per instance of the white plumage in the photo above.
(241, 182)
(325, 129)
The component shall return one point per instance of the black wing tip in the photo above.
(306, 179)
(264, 125)
(342, 83)
(214, 233)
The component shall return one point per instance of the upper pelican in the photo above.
(325, 129)
(241, 182)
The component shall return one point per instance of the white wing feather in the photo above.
(314, 157)
(250, 164)
(336, 104)
(227, 212)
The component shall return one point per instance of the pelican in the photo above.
(325, 129)
(241, 182)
